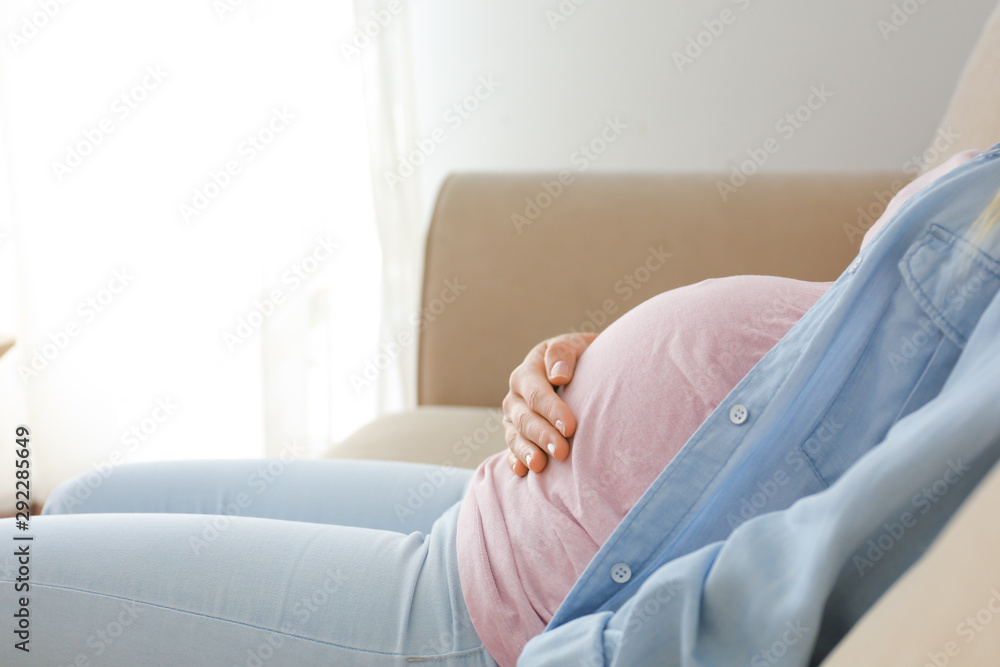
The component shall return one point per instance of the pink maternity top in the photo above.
(639, 392)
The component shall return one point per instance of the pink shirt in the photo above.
(639, 392)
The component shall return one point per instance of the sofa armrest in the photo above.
(450, 436)
(514, 259)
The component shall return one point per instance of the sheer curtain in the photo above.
(380, 42)
(188, 249)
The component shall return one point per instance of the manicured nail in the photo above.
(513, 466)
(561, 426)
(527, 461)
(560, 370)
(552, 448)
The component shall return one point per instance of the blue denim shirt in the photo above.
(827, 470)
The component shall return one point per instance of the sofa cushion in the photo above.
(441, 435)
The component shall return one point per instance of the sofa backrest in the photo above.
(508, 264)
(973, 115)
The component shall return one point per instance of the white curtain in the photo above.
(188, 250)
(381, 43)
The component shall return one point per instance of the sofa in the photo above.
(600, 244)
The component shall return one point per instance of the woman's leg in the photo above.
(403, 497)
(150, 589)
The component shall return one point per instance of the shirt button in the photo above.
(854, 265)
(738, 413)
(621, 573)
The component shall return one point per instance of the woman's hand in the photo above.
(536, 420)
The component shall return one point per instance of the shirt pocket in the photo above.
(952, 280)
(946, 283)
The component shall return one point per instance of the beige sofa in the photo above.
(604, 244)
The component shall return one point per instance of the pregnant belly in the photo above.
(647, 383)
(639, 392)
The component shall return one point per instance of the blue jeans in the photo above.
(247, 563)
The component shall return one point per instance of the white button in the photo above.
(738, 413)
(854, 265)
(621, 573)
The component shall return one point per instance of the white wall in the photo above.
(615, 59)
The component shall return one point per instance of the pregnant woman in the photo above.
(658, 535)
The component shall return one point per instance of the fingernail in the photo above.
(561, 426)
(552, 448)
(513, 466)
(560, 369)
(527, 461)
